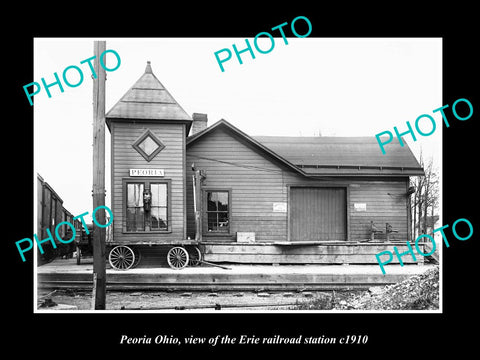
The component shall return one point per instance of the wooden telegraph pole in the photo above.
(98, 190)
(196, 204)
(197, 178)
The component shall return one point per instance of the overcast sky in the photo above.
(335, 86)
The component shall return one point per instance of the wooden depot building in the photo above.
(248, 199)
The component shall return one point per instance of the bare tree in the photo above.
(425, 200)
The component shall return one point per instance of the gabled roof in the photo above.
(148, 99)
(319, 156)
(322, 154)
(226, 125)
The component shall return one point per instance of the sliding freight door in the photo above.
(318, 214)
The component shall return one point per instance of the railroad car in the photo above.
(51, 212)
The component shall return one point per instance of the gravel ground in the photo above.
(418, 292)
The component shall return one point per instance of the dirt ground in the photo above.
(418, 292)
(178, 301)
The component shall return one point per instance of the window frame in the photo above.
(205, 231)
(166, 207)
(146, 185)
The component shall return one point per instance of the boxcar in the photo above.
(50, 212)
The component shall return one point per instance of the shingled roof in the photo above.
(340, 155)
(322, 155)
(148, 99)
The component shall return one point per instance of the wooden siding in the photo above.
(171, 159)
(386, 203)
(257, 182)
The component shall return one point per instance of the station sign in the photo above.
(147, 172)
(280, 207)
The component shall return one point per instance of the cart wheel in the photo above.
(79, 255)
(194, 256)
(121, 257)
(138, 256)
(177, 258)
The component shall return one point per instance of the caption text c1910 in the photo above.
(244, 340)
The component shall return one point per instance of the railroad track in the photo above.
(64, 275)
(217, 286)
(201, 300)
(277, 306)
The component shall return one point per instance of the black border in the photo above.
(99, 334)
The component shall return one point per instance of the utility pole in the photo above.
(197, 178)
(196, 204)
(98, 190)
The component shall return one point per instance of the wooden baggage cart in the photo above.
(182, 253)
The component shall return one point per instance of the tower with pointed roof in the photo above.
(148, 133)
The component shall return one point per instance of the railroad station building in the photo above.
(176, 179)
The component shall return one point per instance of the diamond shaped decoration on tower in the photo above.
(148, 145)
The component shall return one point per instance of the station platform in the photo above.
(65, 273)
